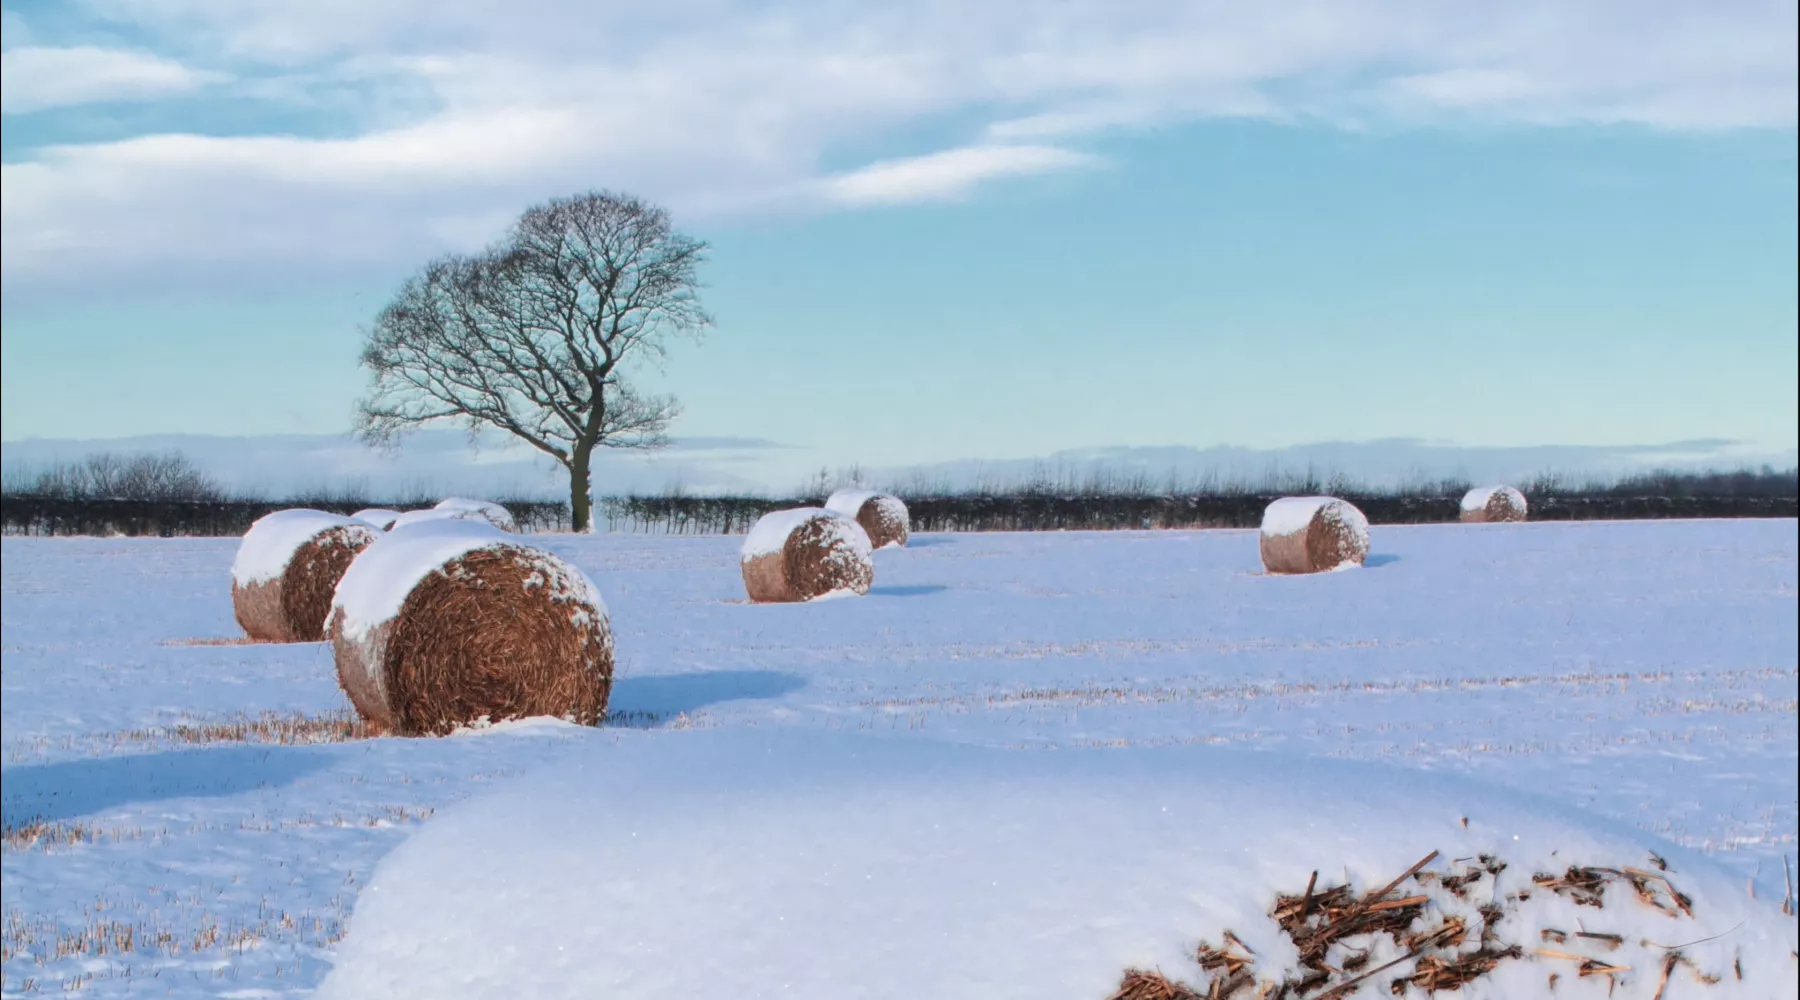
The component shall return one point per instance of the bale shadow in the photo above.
(917, 590)
(926, 542)
(73, 788)
(1384, 559)
(669, 695)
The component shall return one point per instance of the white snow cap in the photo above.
(770, 532)
(810, 865)
(380, 517)
(1477, 498)
(495, 514)
(273, 538)
(1291, 515)
(376, 585)
(850, 502)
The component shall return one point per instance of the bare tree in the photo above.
(533, 336)
(109, 475)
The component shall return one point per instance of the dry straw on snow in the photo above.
(1450, 928)
(1488, 504)
(450, 623)
(286, 569)
(806, 553)
(883, 517)
(1313, 535)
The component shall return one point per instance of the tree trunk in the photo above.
(581, 502)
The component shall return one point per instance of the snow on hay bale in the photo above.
(380, 517)
(1486, 504)
(493, 513)
(1313, 535)
(459, 509)
(882, 516)
(806, 553)
(286, 568)
(451, 622)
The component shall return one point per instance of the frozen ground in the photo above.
(1643, 672)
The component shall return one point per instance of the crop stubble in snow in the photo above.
(1644, 671)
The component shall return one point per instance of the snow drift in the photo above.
(813, 865)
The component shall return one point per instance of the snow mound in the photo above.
(380, 517)
(1477, 498)
(493, 513)
(376, 585)
(771, 531)
(273, 538)
(813, 865)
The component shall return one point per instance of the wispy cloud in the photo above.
(453, 113)
(948, 174)
(36, 78)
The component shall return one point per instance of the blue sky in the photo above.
(938, 234)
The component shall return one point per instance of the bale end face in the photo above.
(293, 606)
(502, 632)
(886, 521)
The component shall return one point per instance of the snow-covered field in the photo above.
(1608, 683)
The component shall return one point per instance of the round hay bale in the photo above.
(286, 569)
(1493, 504)
(450, 623)
(804, 554)
(493, 513)
(1313, 535)
(882, 516)
(380, 517)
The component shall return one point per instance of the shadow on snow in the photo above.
(81, 787)
(675, 694)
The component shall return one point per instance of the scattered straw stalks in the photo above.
(282, 728)
(1400, 938)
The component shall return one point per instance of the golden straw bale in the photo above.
(286, 568)
(806, 553)
(1313, 535)
(1493, 504)
(882, 516)
(453, 623)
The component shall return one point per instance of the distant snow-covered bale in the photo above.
(882, 516)
(286, 569)
(1313, 535)
(493, 513)
(380, 517)
(822, 865)
(804, 554)
(459, 509)
(1487, 504)
(451, 622)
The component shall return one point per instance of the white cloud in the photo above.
(453, 113)
(947, 174)
(35, 78)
